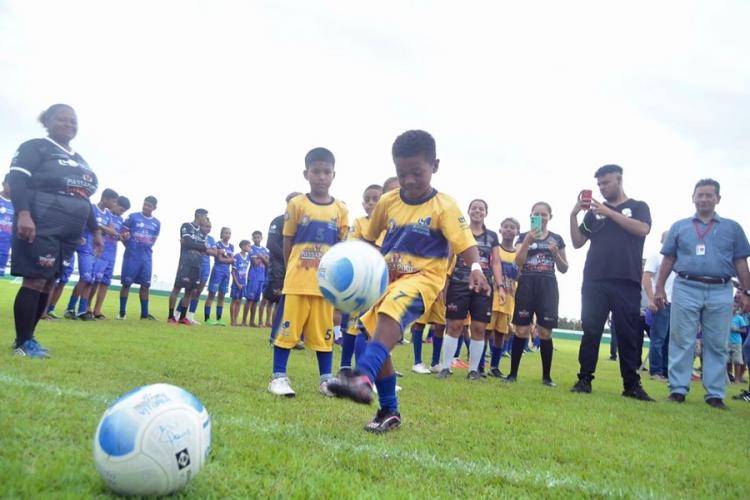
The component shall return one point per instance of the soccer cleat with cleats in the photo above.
(637, 392)
(354, 385)
(325, 391)
(474, 375)
(52, 316)
(30, 349)
(743, 396)
(172, 321)
(510, 379)
(548, 382)
(185, 321)
(86, 316)
(435, 368)
(70, 314)
(281, 387)
(496, 373)
(420, 369)
(444, 373)
(582, 386)
(384, 421)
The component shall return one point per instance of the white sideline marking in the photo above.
(420, 459)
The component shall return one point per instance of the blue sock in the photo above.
(387, 393)
(360, 344)
(537, 341)
(206, 313)
(458, 348)
(344, 321)
(83, 305)
(437, 346)
(325, 364)
(347, 349)
(481, 360)
(193, 305)
(431, 332)
(280, 360)
(123, 305)
(495, 355)
(416, 340)
(144, 308)
(50, 308)
(372, 359)
(219, 310)
(72, 302)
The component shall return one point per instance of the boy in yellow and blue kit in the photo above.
(422, 227)
(313, 223)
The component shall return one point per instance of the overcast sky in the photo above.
(214, 104)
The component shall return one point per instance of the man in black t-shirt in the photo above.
(617, 229)
(277, 268)
(192, 249)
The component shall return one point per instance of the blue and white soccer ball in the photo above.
(152, 440)
(352, 276)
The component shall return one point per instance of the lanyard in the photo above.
(702, 235)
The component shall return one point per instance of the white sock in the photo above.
(336, 332)
(449, 349)
(475, 354)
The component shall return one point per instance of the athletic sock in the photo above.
(325, 365)
(171, 313)
(123, 305)
(72, 302)
(183, 313)
(475, 354)
(280, 360)
(495, 354)
(43, 297)
(546, 349)
(416, 340)
(206, 313)
(387, 393)
(193, 305)
(219, 311)
(449, 347)
(144, 308)
(83, 305)
(180, 307)
(372, 360)
(537, 341)
(519, 344)
(437, 346)
(25, 311)
(457, 352)
(481, 359)
(360, 344)
(347, 350)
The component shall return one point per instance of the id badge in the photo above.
(700, 249)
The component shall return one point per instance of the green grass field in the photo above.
(459, 438)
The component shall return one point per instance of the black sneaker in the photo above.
(384, 421)
(444, 373)
(743, 396)
(510, 379)
(582, 386)
(100, 317)
(613, 358)
(548, 382)
(86, 316)
(474, 375)
(70, 314)
(353, 385)
(676, 397)
(716, 403)
(638, 393)
(149, 317)
(496, 373)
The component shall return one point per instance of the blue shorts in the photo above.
(253, 290)
(103, 269)
(67, 270)
(219, 280)
(136, 270)
(86, 263)
(236, 293)
(4, 254)
(205, 271)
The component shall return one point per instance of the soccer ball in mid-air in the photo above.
(152, 440)
(352, 276)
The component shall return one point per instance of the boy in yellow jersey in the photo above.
(422, 227)
(313, 223)
(502, 312)
(370, 198)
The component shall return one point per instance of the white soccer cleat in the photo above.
(120, 318)
(436, 368)
(421, 369)
(325, 391)
(280, 387)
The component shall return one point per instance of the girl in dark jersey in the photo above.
(461, 301)
(538, 253)
(50, 188)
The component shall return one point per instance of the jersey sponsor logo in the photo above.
(47, 261)
(310, 257)
(68, 162)
(305, 220)
(627, 212)
(333, 223)
(397, 266)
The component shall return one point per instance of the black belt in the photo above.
(708, 280)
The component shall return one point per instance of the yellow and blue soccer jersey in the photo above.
(314, 228)
(358, 229)
(420, 234)
(510, 281)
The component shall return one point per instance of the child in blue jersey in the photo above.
(105, 263)
(57, 291)
(312, 224)
(256, 280)
(240, 267)
(140, 231)
(219, 277)
(6, 225)
(423, 227)
(87, 259)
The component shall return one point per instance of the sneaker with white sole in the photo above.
(120, 317)
(30, 350)
(280, 387)
(421, 369)
(436, 368)
(324, 390)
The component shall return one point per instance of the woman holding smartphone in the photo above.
(538, 253)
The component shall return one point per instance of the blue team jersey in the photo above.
(6, 220)
(143, 233)
(206, 259)
(87, 240)
(228, 250)
(258, 268)
(110, 242)
(240, 267)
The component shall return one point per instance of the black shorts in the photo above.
(274, 285)
(536, 297)
(461, 301)
(59, 221)
(188, 276)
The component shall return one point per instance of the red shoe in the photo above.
(172, 321)
(185, 321)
